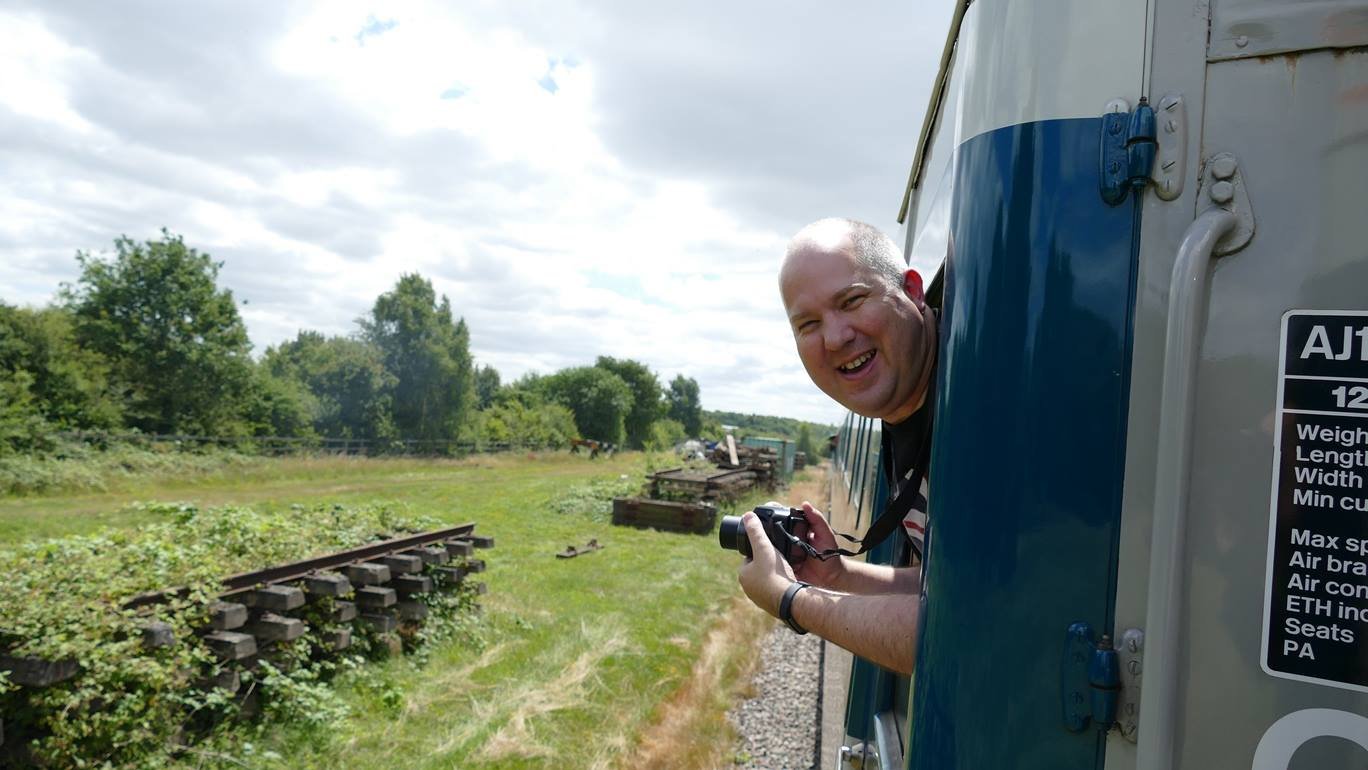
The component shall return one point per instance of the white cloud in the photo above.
(582, 179)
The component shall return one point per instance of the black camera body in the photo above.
(785, 527)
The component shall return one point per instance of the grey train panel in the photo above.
(1298, 125)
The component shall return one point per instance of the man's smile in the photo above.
(857, 364)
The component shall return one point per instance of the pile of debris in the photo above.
(684, 499)
(762, 461)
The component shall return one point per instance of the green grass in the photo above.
(576, 655)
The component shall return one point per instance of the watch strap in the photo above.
(786, 606)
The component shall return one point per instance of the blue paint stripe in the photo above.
(1029, 449)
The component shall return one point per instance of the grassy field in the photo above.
(625, 657)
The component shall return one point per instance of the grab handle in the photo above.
(1168, 540)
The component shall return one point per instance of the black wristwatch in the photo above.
(786, 606)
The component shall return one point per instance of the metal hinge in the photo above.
(1090, 680)
(1131, 652)
(1141, 147)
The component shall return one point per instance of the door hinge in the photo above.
(1090, 680)
(1143, 146)
(1131, 651)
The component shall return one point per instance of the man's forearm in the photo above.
(860, 577)
(880, 627)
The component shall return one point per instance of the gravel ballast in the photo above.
(778, 727)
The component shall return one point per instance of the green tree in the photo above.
(805, 442)
(665, 434)
(66, 384)
(429, 355)
(486, 386)
(514, 422)
(684, 406)
(347, 380)
(22, 427)
(647, 405)
(599, 399)
(279, 406)
(174, 340)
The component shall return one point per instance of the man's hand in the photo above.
(765, 576)
(824, 574)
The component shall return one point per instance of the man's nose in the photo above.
(836, 334)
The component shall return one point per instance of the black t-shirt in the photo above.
(905, 448)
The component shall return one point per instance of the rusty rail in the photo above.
(245, 581)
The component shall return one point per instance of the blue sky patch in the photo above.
(374, 28)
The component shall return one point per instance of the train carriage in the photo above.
(1147, 492)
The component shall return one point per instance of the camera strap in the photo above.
(895, 510)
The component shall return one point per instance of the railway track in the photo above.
(378, 586)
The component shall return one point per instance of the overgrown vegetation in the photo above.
(80, 466)
(570, 664)
(593, 499)
(63, 601)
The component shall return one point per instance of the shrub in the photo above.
(64, 597)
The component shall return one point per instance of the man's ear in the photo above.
(912, 284)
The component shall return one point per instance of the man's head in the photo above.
(859, 318)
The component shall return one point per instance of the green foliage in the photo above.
(767, 426)
(665, 434)
(429, 356)
(279, 407)
(805, 443)
(22, 427)
(76, 466)
(67, 386)
(63, 601)
(346, 380)
(486, 386)
(174, 340)
(594, 498)
(632, 616)
(683, 405)
(599, 399)
(647, 404)
(515, 422)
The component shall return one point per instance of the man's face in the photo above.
(865, 343)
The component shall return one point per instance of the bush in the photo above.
(75, 465)
(665, 434)
(514, 422)
(595, 497)
(63, 600)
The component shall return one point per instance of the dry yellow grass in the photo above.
(690, 731)
(517, 737)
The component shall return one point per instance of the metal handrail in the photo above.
(1168, 541)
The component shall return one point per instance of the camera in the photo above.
(785, 527)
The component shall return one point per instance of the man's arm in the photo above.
(880, 626)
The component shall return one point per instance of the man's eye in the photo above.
(806, 327)
(853, 302)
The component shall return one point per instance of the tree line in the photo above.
(145, 340)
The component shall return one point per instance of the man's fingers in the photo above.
(818, 528)
(755, 531)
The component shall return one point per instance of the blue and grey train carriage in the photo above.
(1149, 487)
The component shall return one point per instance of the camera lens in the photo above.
(732, 535)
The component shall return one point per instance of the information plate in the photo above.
(1316, 599)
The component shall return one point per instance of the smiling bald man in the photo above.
(868, 339)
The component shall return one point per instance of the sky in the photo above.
(579, 178)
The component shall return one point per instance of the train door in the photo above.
(1028, 455)
(1245, 490)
